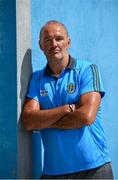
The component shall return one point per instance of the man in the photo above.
(64, 103)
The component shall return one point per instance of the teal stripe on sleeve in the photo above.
(96, 79)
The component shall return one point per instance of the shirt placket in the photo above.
(57, 89)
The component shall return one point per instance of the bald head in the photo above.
(50, 23)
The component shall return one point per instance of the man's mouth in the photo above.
(52, 52)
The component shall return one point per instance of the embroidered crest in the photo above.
(71, 88)
(43, 92)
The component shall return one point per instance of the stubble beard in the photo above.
(55, 60)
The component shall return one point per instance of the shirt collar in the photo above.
(71, 65)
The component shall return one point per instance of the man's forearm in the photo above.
(84, 114)
(73, 120)
(34, 119)
(69, 121)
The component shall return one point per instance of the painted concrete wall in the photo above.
(93, 28)
(8, 95)
(24, 69)
(28, 166)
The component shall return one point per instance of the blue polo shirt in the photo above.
(68, 151)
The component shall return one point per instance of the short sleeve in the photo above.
(32, 90)
(91, 80)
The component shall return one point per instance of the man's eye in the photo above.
(48, 40)
(59, 38)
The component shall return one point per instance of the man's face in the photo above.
(54, 42)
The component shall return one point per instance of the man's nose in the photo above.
(54, 43)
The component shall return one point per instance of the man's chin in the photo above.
(56, 56)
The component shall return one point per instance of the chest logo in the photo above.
(43, 92)
(71, 88)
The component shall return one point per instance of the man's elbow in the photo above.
(89, 119)
(27, 120)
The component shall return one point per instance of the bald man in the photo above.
(64, 103)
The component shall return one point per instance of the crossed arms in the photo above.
(34, 118)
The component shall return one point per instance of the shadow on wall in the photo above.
(29, 143)
(26, 71)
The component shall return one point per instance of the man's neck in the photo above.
(59, 67)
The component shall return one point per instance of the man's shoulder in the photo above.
(38, 73)
(81, 65)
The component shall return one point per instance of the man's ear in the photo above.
(40, 46)
(69, 42)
